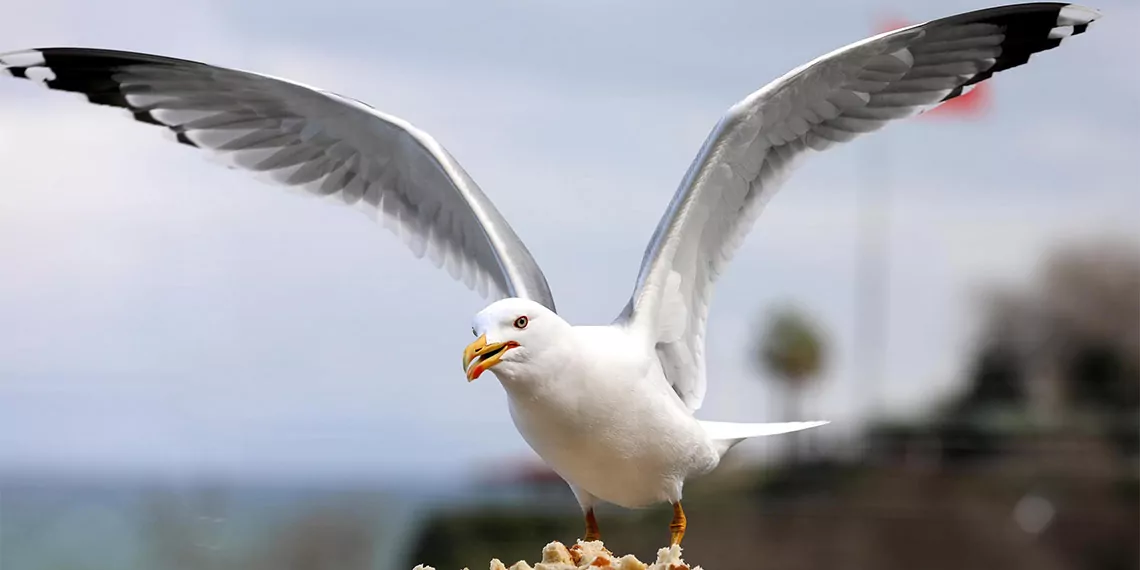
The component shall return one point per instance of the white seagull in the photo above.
(609, 408)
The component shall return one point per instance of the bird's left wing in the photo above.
(300, 136)
(851, 91)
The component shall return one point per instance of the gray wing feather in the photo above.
(835, 98)
(303, 137)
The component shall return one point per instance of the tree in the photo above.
(791, 350)
(1065, 348)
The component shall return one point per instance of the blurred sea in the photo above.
(124, 524)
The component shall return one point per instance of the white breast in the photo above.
(608, 422)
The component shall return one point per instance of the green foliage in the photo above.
(791, 347)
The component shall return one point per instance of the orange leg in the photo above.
(592, 532)
(677, 527)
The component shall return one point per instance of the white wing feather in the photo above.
(300, 136)
(727, 434)
(851, 91)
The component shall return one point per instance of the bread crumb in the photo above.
(592, 556)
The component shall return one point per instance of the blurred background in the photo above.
(198, 371)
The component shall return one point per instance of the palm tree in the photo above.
(790, 349)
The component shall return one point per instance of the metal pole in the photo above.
(872, 264)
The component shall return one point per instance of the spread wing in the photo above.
(854, 90)
(304, 137)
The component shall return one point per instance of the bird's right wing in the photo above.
(854, 90)
(300, 136)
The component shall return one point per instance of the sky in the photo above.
(161, 315)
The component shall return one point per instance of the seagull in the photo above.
(610, 408)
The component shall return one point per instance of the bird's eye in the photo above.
(473, 333)
(521, 322)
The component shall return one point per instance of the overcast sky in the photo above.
(161, 314)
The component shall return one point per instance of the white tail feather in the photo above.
(728, 434)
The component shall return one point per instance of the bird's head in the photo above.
(510, 333)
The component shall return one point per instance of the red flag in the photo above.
(971, 104)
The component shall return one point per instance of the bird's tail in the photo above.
(727, 434)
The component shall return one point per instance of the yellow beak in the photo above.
(484, 356)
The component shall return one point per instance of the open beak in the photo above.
(479, 356)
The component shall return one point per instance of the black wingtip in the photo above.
(1028, 29)
(181, 137)
(96, 73)
(146, 117)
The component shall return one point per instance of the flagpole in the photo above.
(872, 266)
(872, 248)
